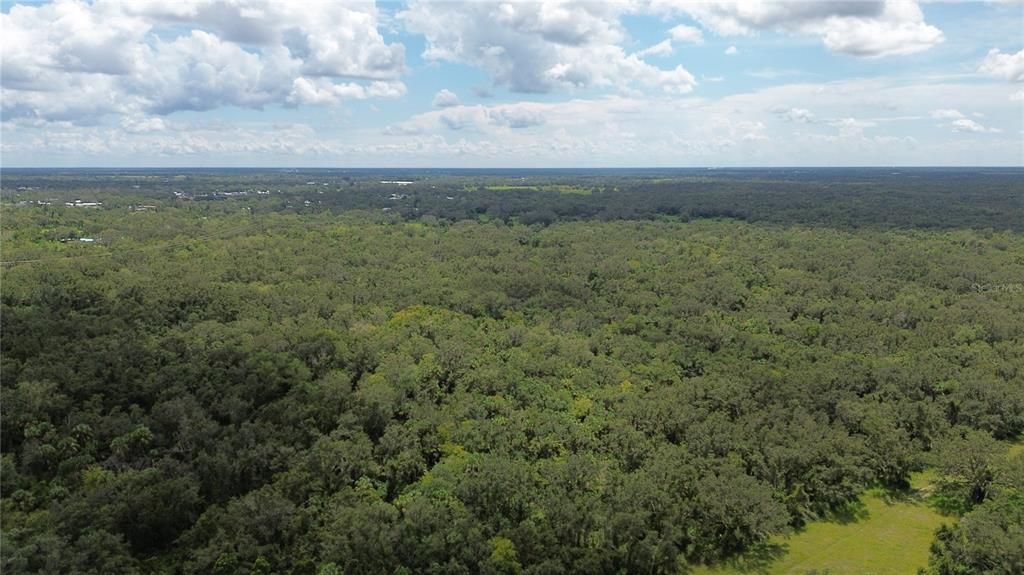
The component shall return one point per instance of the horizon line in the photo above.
(708, 167)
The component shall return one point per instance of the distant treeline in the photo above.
(944, 199)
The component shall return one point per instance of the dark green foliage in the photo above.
(967, 462)
(989, 539)
(218, 390)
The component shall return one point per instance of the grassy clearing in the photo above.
(560, 188)
(884, 535)
(1016, 448)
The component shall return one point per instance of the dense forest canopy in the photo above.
(501, 372)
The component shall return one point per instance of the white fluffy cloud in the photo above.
(900, 31)
(867, 28)
(959, 122)
(445, 99)
(688, 34)
(968, 125)
(857, 122)
(327, 38)
(77, 61)
(663, 48)
(158, 139)
(321, 91)
(797, 115)
(540, 46)
(42, 42)
(477, 118)
(852, 127)
(737, 17)
(1008, 66)
(98, 82)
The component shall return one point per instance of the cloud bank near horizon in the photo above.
(645, 82)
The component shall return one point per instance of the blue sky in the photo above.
(512, 84)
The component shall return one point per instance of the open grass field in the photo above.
(560, 188)
(1016, 448)
(885, 535)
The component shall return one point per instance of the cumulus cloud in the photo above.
(42, 42)
(663, 48)
(970, 126)
(476, 118)
(899, 31)
(881, 119)
(852, 127)
(101, 80)
(687, 34)
(735, 17)
(506, 120)
(77, 61)
(1008, 66)
(328, 38)
(462, 117)
(959, 122)
(753, 131)
(166, 140)
(142, 125)
(848, 122)
(445, 99)
(797, 115)
(201, 72)
(866, 28)
(516, 117)
(321, 91)
(732, 51)
(540, 46)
